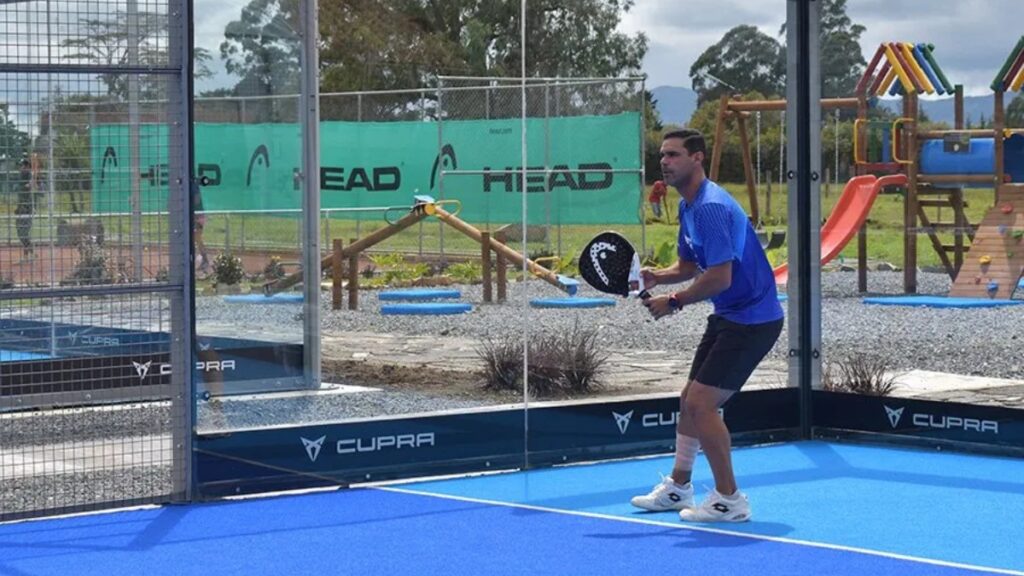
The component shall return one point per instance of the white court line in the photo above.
(697, 528)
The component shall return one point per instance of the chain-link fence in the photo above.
(458, 140)
(583, 156)
(93, 297)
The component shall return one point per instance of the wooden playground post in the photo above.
(337, 262)
(353, 277)
(862, 232)
(716, 152)
(910, 208)
(957, 196)
(748, 167)
(958, 107)
(998, 124)
(485, 263)
(502, 265)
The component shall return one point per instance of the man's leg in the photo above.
(675, 492)
(197, 237)
(702, 404)
(687, 442)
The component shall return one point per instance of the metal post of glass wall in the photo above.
(310, 118)
(803, 95)
(179, 207)
(643, 165)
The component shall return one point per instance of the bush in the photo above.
(273, 270)
(91, 268)
(859, 374)
(466, 272)
(663, 256)
(559, 365)
(503, 362)
(227, 269)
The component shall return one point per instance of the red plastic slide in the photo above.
(846, 218)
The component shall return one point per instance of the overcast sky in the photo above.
(971, 37)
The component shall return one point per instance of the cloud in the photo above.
(972, 38)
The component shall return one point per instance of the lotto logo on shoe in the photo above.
(941, 422)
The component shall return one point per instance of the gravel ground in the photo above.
(982, 342)
(96, 489)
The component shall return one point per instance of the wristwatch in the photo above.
(673, 303)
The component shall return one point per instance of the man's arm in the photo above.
(712, 282)
(681, 271)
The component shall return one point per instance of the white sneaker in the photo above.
(718, 508)
(666, 496)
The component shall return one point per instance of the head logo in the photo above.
(622, 420)
(597, 253)
(894, 415)
(142, 369)
(109, 159)
(260, 157)
(445, 161)
(313, 447)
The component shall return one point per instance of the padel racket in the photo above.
(610, 264)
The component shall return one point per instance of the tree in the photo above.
(655, 131)
(1015, 112)
(842, 62)
(744, 60)
(262, 48)
(105, 42)
(390, 44)
(14, 145)
(841, 58)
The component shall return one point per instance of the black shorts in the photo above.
(729, 352)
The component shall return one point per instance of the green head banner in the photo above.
(570, 178)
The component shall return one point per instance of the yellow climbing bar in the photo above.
(908, 84)
(908, 54)
(895, 149)
(1016, 86)
(887, 81)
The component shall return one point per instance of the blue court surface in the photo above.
(19, 356)
(818, 508)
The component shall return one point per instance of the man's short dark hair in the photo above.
(693, 140)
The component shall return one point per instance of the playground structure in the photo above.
(425, 206)
(939, 164)
(932, 166)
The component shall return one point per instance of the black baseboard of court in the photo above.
(481, 440)
(473, 441)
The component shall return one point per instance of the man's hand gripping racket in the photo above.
(610, 264)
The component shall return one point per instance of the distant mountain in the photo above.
(942, 110)
(674, 103)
